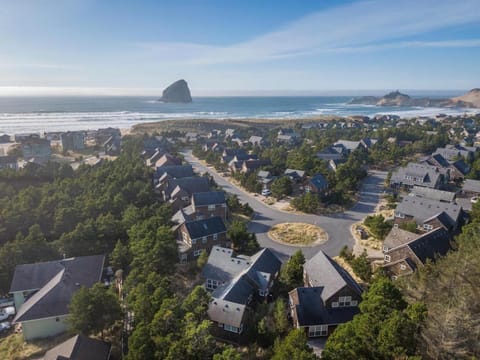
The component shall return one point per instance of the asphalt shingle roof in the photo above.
(205, 227)
(422, 209)
(208, 198)
(54, 296)
(325, 272)
(79, 347)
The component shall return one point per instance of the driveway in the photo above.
(337, 226)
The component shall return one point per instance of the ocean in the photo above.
(43, 114)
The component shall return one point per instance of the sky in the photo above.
(113, 47)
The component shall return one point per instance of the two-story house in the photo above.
(200, 235)
(317, 184)
(36, 148)
(164, 173)
(404, 251)
(179, 191)
(208, 204)
(330, 297)
(428, 214)
(42, 292)
(236, 282)
(419, 174)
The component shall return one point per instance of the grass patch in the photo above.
(14, 347)
(298, 234)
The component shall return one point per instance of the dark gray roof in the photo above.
(429, 175)
(240, 277)
(79, 347)
(54, 296)
(325, 272)
(311, 310)
(471, 186)
(450, 153)
(422, 209)
(433, 194)
(34, 276)
(205, 227)
(175, 171)
(208, 198)
(319, 181)
(461, 166)
(441, 160)
(297, 174)
(194, 184)
(435, 242)
(183, 215)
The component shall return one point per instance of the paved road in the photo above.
(337, 226)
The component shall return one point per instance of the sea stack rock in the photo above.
(178, 92)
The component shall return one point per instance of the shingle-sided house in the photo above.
(8, 162)
(179, 191)
(200, 235)
(235, 281)
(169, 172)
(42, 292)
(295, 175)
(79, 347)
(332, 153)
(317, 184)
(428, 214)
(208, 204)
(167, 160)
(330, 297)
(410, 251)
(420, 175)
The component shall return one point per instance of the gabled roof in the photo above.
(193, 184)
(422, 209)
(347, 144)
(255, 164)
(440, 160)
(175, 171)
(461, 166)
(397, 237)
(433, 194)
(435, 242)
(310, 309)
(319, 181)
(79, 347)
(183, 215)
(205, 227)
(54, 296)
(471, 186)
(208, 198)
(294, 173)
(168, 160)
(226, 312)
(325, 272)
(255, 139)
(240, 276)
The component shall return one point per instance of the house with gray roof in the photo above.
(420, 175)
(208, 204)
(42, 292)
(332, 153)
(428, 214)
(79, 347)
(295, 175)
(433, 194)
(200, 235)
(348, 145)
(164, 173)
(413, 251)
(235, 281)
(471, 187)
(330, 297)
(317, 184)
(179, 191)
(256, 140)
(453, 152)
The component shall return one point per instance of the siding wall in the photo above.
(44, 328)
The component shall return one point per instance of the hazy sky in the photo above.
(139, 47)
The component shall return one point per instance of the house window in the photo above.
(183, 258)
(263, 292)
(344, 301)
(199, 217)
(385, 248)
(185, 198)
(211, 207)
(184, 237)
(215, 236)
(57, 319)
(197, 252)
(395, 226)
(194, 241)
(353, 303)
(387, 258)
(427, 227)
(204, 239)
(400, 215)
(403, 267)
(230, 328)
(212, 284)
(334, 304)
(318, 330)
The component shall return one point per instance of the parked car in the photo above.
(7, 312)
(266, 192)
(4, 326)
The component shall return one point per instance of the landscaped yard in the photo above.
(298, 234)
